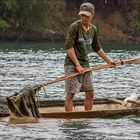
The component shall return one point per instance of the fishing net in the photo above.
(23, 103)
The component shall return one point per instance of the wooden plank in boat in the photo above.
(116, 100)
(132, 101)
(53, 103)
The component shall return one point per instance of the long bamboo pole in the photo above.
(104, 66)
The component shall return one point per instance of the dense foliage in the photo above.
(31, 16)
(48, 19)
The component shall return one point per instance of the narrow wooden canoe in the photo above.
(101, 108)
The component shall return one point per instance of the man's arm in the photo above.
(73, 57)
(102, 54)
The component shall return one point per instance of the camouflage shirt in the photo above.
(81, 41)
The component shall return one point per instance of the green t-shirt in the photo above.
(81, 41)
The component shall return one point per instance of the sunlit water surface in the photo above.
(31, 63)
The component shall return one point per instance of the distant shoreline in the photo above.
(126, 40)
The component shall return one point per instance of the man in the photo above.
(82, 36)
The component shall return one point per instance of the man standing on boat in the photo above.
(82, 36)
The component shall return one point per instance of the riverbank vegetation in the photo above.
(48, 20)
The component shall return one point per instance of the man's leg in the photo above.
(89, 100)
(69, 102)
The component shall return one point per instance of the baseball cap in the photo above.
(86, 9)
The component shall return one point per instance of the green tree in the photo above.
(32, 15)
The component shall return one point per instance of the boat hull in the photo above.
(92, 114)
(101, 108)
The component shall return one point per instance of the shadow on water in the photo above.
(74, 129)
(35, 46)
(99, 129)
(116, 46)
(60, 45)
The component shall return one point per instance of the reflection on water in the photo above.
(31, 63)
(126, 128)
(101, 129)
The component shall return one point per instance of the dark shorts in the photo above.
(80, 83)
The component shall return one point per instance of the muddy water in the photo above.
(31, 63)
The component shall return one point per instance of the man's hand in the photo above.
(80, 69)
(112, 64)
(102, 54)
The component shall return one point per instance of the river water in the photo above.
(31, 63)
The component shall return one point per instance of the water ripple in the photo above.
(31, 63)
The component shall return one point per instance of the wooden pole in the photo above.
(104, 66)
